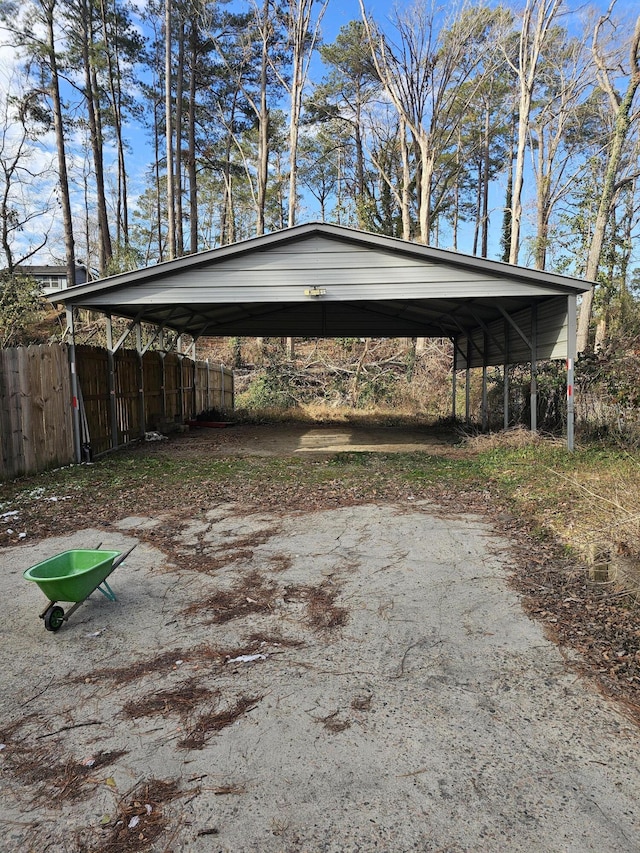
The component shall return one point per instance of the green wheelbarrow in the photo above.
(73, 576)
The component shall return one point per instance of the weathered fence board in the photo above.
(36, 430)
(148, 392)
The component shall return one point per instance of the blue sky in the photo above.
(338, 14)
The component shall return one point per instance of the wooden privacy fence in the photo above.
(125, 394)
(121, 396)
(36, 429)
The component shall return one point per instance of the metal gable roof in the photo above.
(365, 285)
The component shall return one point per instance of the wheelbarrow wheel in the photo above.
(54, 618)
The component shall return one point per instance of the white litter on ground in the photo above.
(247, 658)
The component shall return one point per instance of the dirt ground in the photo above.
(355, 678)
(295, 439)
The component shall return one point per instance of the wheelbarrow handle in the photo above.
(122, 558)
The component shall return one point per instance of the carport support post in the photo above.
(467, 385)
(505, 383)
(571, 356)
(485, 401)
(534, 368)
(453, 379)
(75, 408)
(164, 375)
(141, 406)
(112, 383)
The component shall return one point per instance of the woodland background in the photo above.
(135, 133)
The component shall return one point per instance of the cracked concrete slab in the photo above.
(437, 717)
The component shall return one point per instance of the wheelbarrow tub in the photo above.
(72, 575)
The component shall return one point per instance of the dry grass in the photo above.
(362, 703)
(166, 662)
(280, 562)
(161, 663)
(205, 557)
(512, 439)
(332, 723)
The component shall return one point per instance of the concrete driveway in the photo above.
(356, 679)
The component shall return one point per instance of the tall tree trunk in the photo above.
(477, 225)
(95, 132)
(263, 126)
(532, 39)
(191, 138)
(168, 115)
(426, 177)
(406, 181)
(505, 240)
(486, 150)
(178, 146)
(115, 94)
(157, 179)
(49, 8)
(294, 129)
(359, 148)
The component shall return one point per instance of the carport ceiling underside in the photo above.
(321, 280)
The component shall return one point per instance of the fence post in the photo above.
(75, 410)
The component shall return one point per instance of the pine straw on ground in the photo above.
(210, 723)
(52, 778)
(252, 593)
(139, 821)
(203, 655)
(182, 700)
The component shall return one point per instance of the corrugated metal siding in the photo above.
(283, 272)
(202, 287)
(551, 337)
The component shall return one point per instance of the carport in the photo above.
(324, 280)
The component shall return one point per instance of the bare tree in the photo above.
(302, 40)
(622, 111)
(48, 9)
(422, 75)
(553, 131)
(84, 14)
(537, 18)
(24, 197)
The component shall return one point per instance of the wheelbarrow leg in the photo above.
(106, 591)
